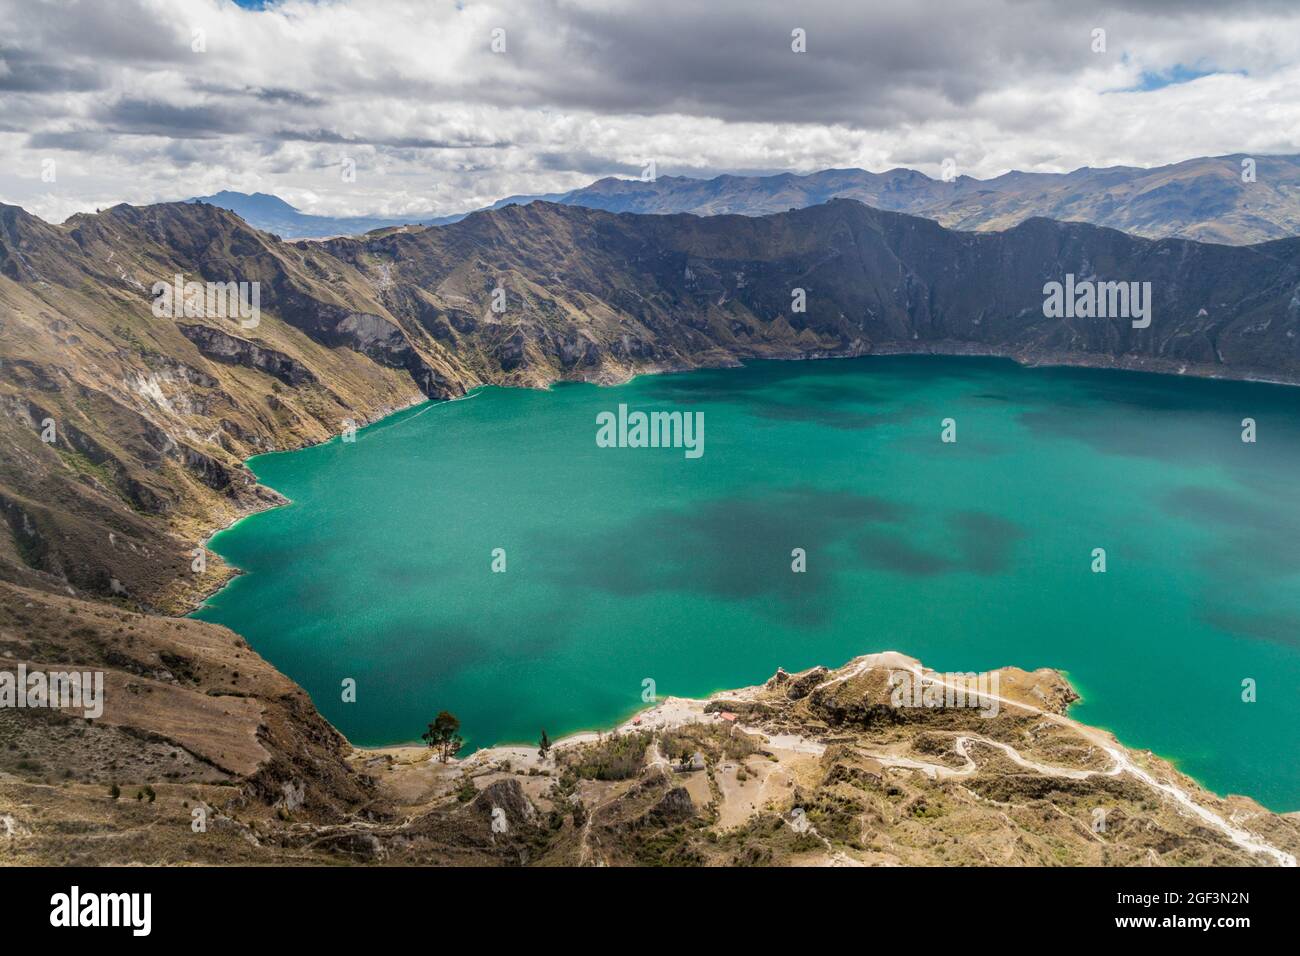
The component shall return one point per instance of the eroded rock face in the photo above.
(224, 347)
(738, 706)
(793, 686)
(364, 846)
(374, 336)
(508, 797)
(675, 806)
(779, 679)
(801, 685)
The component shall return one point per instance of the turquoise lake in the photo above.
(633, 563)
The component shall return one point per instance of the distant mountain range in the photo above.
(272, 214)
(1203, 199)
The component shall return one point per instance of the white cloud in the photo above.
(438, 122)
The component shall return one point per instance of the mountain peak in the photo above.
(256, 203)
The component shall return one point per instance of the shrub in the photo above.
(615, 757)
(466, 791)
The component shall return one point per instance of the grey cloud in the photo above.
(287, 96)
(399, 142)
(22, 71)
(872, 67)
(149, 117)
(907, 61)
(129, 31)
(81, 141)
(277, 95)
(586, 162)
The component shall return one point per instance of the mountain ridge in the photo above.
(1202, 199)
(156, 415)
(1165, 201)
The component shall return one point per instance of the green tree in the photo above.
(467, 790)
(443, 736)
(544, 745)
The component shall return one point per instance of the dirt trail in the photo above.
(1124, 764)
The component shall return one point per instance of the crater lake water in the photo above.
(632, 563)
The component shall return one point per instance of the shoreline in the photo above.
(1162, 368)
(670, 713)
(621, 724)
(630, 722)
(885, 351)
(236, 571)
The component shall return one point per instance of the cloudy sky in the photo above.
(151, 100)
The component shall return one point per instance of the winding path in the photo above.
(1122, 763)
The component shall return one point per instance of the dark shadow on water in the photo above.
(1218, 507)
(889, 552)
(1252, 545)
(984, 541)
(1275, 627)
(739, 549)
(427, 650)
(424, 649)
(732, 549)
(1129, 436)
(1164, 417)
(1252, 540)
(760, 390)
(982, 544)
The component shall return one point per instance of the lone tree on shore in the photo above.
(443, 736)
(544, 745)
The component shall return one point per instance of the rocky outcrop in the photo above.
(504, 800)
(675, 806)
(792, 686)
(224, 347)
